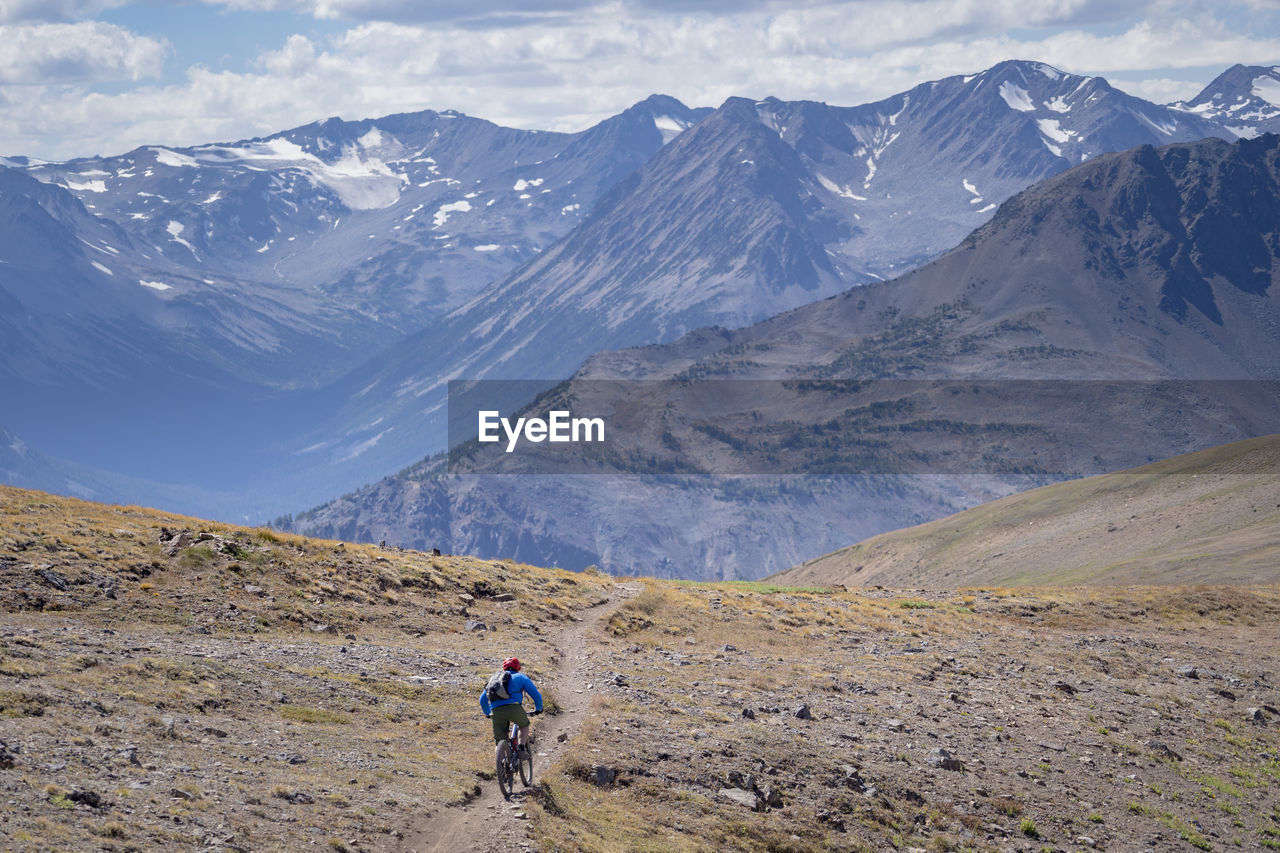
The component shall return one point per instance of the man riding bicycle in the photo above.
(504, 712)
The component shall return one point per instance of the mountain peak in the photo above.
(1244, 98)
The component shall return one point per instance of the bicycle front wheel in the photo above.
(526, 767)
(503, 769)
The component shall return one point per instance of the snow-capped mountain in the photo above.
(397, 218)
(1244, 99)
(330, 279)
(761, 207)
(1152, 263)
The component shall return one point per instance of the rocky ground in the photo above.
(172, 684)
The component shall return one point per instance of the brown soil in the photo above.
(490, 823)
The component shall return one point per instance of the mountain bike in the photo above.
(511, 761)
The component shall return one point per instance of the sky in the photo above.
(86, 77)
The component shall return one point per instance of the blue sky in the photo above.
(83, 77)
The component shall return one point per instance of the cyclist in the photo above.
(504, 712)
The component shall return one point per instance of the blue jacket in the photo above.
(518, 686)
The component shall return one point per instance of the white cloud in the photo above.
(88, 51)
(569, 71)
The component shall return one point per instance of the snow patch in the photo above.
(669, 127)
(569, 208)
(442, 213)
(102, 268)
(522, 184)
(155, 285)
(1058, 105)
(1048, 71)
(372, 139)
(1050, 128)
(487, 247)
(1268, 89)
(970, 187)
(833, 187)
(87, 186)
(1244, 131)
(165, 157)
(211, 199)
(871, 172)
(175, 230)
(362, 183)
(1016, 97)
(1057, 150)
(988, 207)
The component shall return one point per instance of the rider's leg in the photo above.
(524, 736)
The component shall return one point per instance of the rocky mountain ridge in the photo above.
(1152, 264)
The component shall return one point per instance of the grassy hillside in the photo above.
(1211, 517)
(254, 691)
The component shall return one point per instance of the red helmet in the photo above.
(512, 664)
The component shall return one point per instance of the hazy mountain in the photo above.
(1205, 517)
(322, 284)
(1243, 99)
(1152, 263)
(190, 302)
(761, 207)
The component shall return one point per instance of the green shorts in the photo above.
(504, 716)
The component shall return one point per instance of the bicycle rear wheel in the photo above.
(526, 766)
(503, 770)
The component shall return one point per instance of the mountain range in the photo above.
(301, 299)
(1150, 264)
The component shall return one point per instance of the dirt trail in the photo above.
(489, 823)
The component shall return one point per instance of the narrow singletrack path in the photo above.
(490, 823)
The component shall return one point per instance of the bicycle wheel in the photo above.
(503, 769)
(526, 766)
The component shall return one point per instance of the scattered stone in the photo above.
(179, 794)
(504, 596)
(6, 757)
(1066, 688)
(751, 715)
(602, 776)
(620, 681)
(773, 797)
(473, 625)
(54, 579)
(466, 597)
(895, 725)
(321, 629)
(1256, 716)
(1226, 694)
(1163, 750)
(253, 590)
(1188, 672)
(216, 732)
(562, 737)
(169, 728)
(130, 754)
(92, 799)
(1086, 841)
(1051, 746)
(749, 799)
(803, 713)
(298, 798)
(939, 757)
(729, 648)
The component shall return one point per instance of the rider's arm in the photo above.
(533, 691)
(484, 703)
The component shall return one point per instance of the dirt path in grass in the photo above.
(489, 823)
